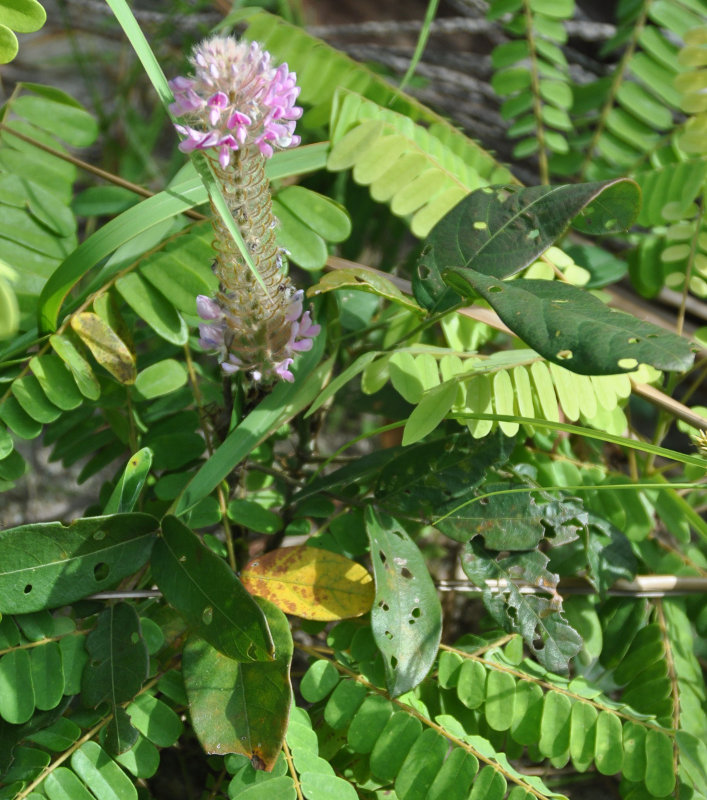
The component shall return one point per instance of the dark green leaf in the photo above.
(47, 564)
(574, 329)
(406, 618)
(119, 734)
(118, 660)
(505, 521)
(241, 707)
(206, 592)
(498, 231)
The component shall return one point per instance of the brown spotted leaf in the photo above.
(310, 582)
(106, 346)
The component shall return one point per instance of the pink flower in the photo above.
(236, 98)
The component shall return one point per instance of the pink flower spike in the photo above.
(224, 156)
(307, 328)
(294, 310)
(283, 372)
(302, 346)
(207, 308)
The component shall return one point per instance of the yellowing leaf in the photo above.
(365, 280)
(106, 346)
(311, 583)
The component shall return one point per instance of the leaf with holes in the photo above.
(498, 231)
(47, 564)
(535, 617)
(574, 329)
(241, 707)
(505, 521)
(206, 592)
(310, 582)
(406, 618)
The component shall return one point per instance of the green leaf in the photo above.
(56, 382)
(318, 786)
(151, 306)
(454, 778)
(660, 776)
(80, 368)
(241, 707)
(392, 746)
(206, 592)
(66, 121)
(319, 680)
(119, 735)
(118, 660)
(422, 763)
(406, 618)
(368, 723)
(155, 720)
(30, 396)
(431, 410)
(365, 280)
(47, 675)
(320, 213)
(127, 491)
(161, 378)
(98, 770)
(47, 564)
(9, 310)
(574, 329)
(62, 784)
(16, 690)
(498, 231)
(8, 45)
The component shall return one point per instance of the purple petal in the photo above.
(207, 308)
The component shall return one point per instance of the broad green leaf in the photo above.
(119, 735)
(422, 763)
(498, 231)
(555, 725)
(29, 395)
(16, 691)
(253, 516)
(608, 744)
(318, 681)
(368, 723)
(47, 675)
(8, 45)
(318, 786)
(142, 759)
(583, 718)
(343, 704)
(471, 684)
(127, 491)
(151, 306)
(9, 310)
(56, 381)
(320, 213)
(206, 592)
(62, 784)
(98, 770)
(155, 720)
(311, 583)
(118, 660)
(574, 329)
(161, 378)
(106, 346)
(80, 368)
(660, 776)
(454, 778)
(305, 247)
(73, 125)
(47, 564)
(500, 699)
(392, 746)
(241, 707)
(406, 618)
(365, 280)
(431, 410)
